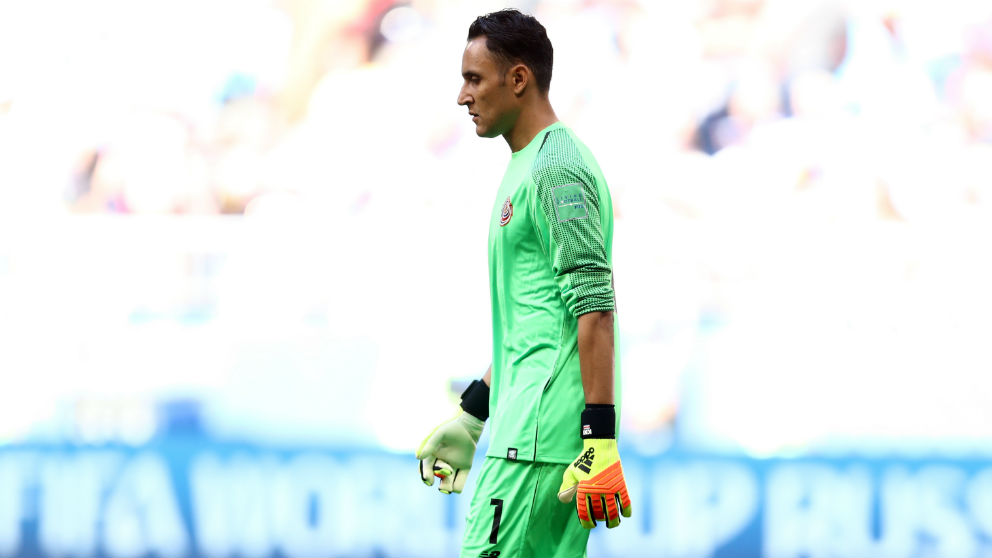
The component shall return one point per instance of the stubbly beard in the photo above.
(486, 130)
(490, 132)
(496, 128)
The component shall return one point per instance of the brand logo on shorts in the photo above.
(511, 454)
(584, 462)
(504, 216)
(586, 430)
(489, 554)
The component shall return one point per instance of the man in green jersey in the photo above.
(550, 389)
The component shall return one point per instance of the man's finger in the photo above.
(427, 470)
(586, 517)
(623, 499)
(582, 510)
(458, 482)
(446, 473)
(612, 513)
(442, 469)
(447, 482)
(596, 503)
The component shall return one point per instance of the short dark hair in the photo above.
(515, 37)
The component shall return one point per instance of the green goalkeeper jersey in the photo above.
(550, 246)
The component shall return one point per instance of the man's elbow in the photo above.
(597, 318)
(587, 289)
(599, 303)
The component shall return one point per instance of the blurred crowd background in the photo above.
(266, 220)
(802, 193)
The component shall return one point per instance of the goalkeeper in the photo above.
(552, 470)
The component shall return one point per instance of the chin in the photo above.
(486, 132)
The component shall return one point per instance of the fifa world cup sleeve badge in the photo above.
(504, 216)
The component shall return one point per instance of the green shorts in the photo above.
(515, 513)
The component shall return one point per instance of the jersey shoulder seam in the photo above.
(558, 152)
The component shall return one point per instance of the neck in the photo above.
(531, 120)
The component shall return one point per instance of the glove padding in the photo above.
(596, 477)
(448, 451)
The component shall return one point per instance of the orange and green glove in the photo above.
(596, 479)
(447, 452)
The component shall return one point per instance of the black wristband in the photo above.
(475, 400)
(599, 421)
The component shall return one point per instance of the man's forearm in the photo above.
(596, 356)
(488, 376)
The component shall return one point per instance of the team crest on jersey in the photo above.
(504, 216)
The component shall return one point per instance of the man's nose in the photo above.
(463, 97)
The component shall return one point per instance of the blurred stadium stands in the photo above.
(242, 264)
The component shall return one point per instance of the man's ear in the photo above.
(520, 78)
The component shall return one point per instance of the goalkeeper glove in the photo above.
(595, 479)
(448, 451)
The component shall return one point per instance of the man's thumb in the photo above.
(429, 446)
(569, 485)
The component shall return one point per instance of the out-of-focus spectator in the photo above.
(311, 93)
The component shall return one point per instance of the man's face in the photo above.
(487, 92)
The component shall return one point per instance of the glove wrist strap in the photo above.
(475, 400)
(599, 421)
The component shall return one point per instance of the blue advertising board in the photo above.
(176, 498)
